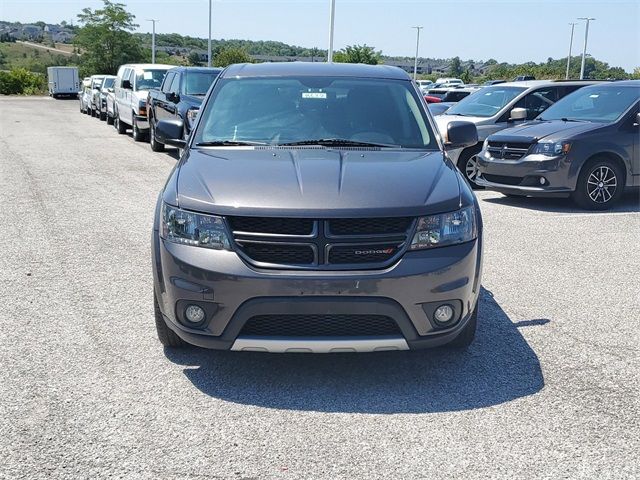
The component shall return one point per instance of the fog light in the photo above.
(443, 314)
(543, 180)
(194, 314)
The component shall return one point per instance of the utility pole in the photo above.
(153, 40)
(584, 50)
(209, 44)
(415, 64)
(573, 26)
(332, 16)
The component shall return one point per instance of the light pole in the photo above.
(573, 26)
(209, 44)
(153, 39)
(332, 16)
(415, 64)
(584, 50)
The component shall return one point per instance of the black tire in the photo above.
(120, 127)
(138, 135)
(109, 120)
(167, 337)
(156, 146)
(600, 184)
(93, 112)
(466, 336)
(103, 116)
(467, 164)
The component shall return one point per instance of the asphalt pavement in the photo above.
(550, 389)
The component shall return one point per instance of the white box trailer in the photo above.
(63, 81)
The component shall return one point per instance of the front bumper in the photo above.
(523, 176)
(142, 122)
(232, 292)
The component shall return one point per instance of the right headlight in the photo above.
(446, 229)
(196, 229)
(192, 114)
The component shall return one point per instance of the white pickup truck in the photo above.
(132, 85)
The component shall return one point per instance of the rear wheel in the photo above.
(466, 336)
(600, 184)
(109, 119)
(468, 165)
(167, 337)
(155, 145)
(120, 127)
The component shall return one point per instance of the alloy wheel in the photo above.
(602, 184)
(471, 168)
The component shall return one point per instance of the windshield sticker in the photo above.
(322, 95)
(147, 75)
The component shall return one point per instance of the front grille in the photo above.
(508, 151)
(350, 254)
(273, 225)
(281, 253)
(502, 179)
(319, 325)
(320, 243)
(369, 226)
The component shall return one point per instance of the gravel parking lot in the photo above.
(548, 390)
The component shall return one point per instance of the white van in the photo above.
(132, 85)
(63, 81)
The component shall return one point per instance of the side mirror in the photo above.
(518, 114)
(170, 132)
(461, 135)
(173, 97)
(126, 84)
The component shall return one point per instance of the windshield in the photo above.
(485, 102)
(97, 81)
(149, 79)
(108, 82)
(279, 110)
(198, 83)
(593, 104)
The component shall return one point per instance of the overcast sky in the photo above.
(511, 31)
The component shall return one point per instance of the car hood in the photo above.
(318, 182)
(443, 120)
(549, 130)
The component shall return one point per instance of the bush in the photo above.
(20, 81)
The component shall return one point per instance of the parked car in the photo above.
(63, 81)
(498, 107)
(100, 96)
(586, 146)
(84, 97)
(314, 210)
(179, 96)
(457, 94)
(432, 98)
(132, 85)
(111, 104)
(94, 93)
(493, 82)
(524, 78)
(450, 81)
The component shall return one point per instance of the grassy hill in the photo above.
(34, 59)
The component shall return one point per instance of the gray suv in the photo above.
(313, 210)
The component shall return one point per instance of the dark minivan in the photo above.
(314, 210)
(586, 146)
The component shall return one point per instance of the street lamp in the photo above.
(209, 43)
(332, 15)
(415, 64)
(584, 50)
(153, 39)
(573, 26)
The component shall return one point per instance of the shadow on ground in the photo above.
(630, 202)
(499, 366)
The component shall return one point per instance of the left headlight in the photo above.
(196, 229)
(446, 229)
(551, 149)
(142, 107)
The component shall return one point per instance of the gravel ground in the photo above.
(548, 390)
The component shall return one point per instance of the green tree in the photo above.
(230, 55)
(466, 76)
(455, 69)
(194, 59)
(105, 38)
(358, 54)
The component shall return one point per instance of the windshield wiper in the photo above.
(458, 114)
(336, 142)
(571, 120)
(229, 143)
